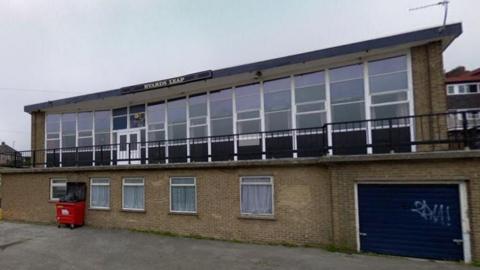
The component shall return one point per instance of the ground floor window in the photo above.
(183, 194)
(133, 194)
(58, 188)
(100, 193)
(256, 195)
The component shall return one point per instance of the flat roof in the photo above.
(449, 32)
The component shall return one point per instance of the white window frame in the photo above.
(183, 185)
(123, 193)
(100, 184)
(52, 184)
(273, 196)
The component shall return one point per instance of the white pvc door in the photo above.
(128, 148)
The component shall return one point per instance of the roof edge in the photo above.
(450, 30)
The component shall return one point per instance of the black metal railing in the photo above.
(418, 133)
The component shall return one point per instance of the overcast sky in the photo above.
(54, 49)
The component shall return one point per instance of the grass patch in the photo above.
(475, 263)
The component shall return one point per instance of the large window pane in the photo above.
(277, 98)
(58, 188)
(85, 129)
(311, 120)
(348, 112)
(177, 131)
(156, 114)
(221, 103)
(182, 194)
(391, 97)
(250, 126)
(85, 121)
(277, 101)
(347, 91)
(197, 106)
(387, 111)
(256, 196)
(176, 111)
(198, 131)
(387, 65)
(69, 130)
(278, 120)
(102, 121)
(102, 138)
(221, 126)
(346, 73)
(247, 97)
(53, 130)
(53, 123)
(120, 118)
(389, 82)
(388, 75)
(310, 87)
(177, 117)
(100, 193)
(102, 127)
(137, 116)
(133, 194)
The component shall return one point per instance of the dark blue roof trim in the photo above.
(452, 30)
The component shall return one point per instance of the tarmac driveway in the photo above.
(27, 246)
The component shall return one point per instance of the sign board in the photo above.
(168, 82)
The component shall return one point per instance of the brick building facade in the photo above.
(278, 151)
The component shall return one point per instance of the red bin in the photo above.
(71, 207)
(70, 213)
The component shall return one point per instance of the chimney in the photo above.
(3, 143)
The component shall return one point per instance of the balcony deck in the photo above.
(452, 131)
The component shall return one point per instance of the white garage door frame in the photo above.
(462, 187)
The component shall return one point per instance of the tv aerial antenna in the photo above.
(441, 3)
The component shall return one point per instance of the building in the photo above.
(463, 96)
(7, 155)
(346, 146)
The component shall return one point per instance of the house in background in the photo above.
(345, 146)
(463, 96)
(7, 155)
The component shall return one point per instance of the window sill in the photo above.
(258, 217)
(99, 209)
(183, 214)
(133, 211)
(53, 201)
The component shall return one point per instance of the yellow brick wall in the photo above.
(301, 199)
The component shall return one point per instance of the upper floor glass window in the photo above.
(85, 127)
(347, 93)
(310, 100)
(248, 108)
(156, 122)
(53, 131)
(120, 118)
(221, 111)
(137, 116)
(177, 119)
(69, 129)
(102, 127)
(388, 83)
(277, 104)
(197, 110)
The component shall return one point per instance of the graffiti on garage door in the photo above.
(437, 213)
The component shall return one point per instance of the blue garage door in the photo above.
(411, 220)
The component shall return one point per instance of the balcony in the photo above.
(418, 133)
